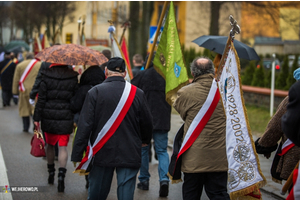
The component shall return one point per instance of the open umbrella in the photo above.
(15, 43)
(71, 54)
(217, 44)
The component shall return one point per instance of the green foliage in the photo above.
(281, 81)
(268, 79)
(259, 118)
(290, 80)
(259, 76)
(248, 73)
(208, 54)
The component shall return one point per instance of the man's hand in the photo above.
(144, 145)
(31, 101)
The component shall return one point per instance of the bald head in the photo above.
(201, 66)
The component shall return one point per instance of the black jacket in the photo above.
(57, 87)
(123, 149)
(136, 70)
(290, 121)
(91, 76)
(38, 79)
(8, 75)
(153, 86)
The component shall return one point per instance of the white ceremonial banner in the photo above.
(244, 174)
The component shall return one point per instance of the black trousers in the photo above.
(214, 183)
(6, 97)
(26, 123)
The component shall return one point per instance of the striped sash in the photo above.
(287, 145)
(25, 74)
(201, 118)
(6, 66)
(109, 128)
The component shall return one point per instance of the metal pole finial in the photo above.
(235, 28)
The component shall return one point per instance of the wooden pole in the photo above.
(157, 32)
(289, 182)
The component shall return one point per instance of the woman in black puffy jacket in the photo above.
(53, 110)
(91, 76)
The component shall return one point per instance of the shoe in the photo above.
(51, 171)
(61, 179)
(87, 182)
(164, 189)
(143, 185)
(25, 131)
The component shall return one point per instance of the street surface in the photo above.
(25, 170)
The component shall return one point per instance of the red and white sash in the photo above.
(110, 127)
(287, 145)
(25, 74)
(201, 118)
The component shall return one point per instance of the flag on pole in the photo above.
(117, 52)
(37, 47)
(168, 60)
(126, 56)
(295, 192)
(244, 173)
(45, 41)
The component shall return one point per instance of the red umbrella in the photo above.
(71, 54)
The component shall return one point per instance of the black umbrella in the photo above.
(218, 43)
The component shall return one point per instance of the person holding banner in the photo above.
(114, 123)
(23, 81)
(287, 155)
(204, 160)
(153, 84)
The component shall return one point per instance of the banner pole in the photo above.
(156, 34)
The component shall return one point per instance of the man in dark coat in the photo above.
(7, 70)
(154, 85)
(137, 61)
(122, 149)
(290, 120)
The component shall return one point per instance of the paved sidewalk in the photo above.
(265, 164)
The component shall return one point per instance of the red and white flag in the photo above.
(126, 57)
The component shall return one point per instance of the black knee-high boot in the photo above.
(51, 171)
(61, 179)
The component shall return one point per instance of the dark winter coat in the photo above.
(123, 148)
(154, 86)
(91, 76)
(38, 79)
(290, 121)
(8, 75)
(58, 86)
(136, 70)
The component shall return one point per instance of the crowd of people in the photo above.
(115, 122)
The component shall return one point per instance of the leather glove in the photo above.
(16, 96)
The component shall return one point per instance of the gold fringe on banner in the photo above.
(245, 191)
(174, 181)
